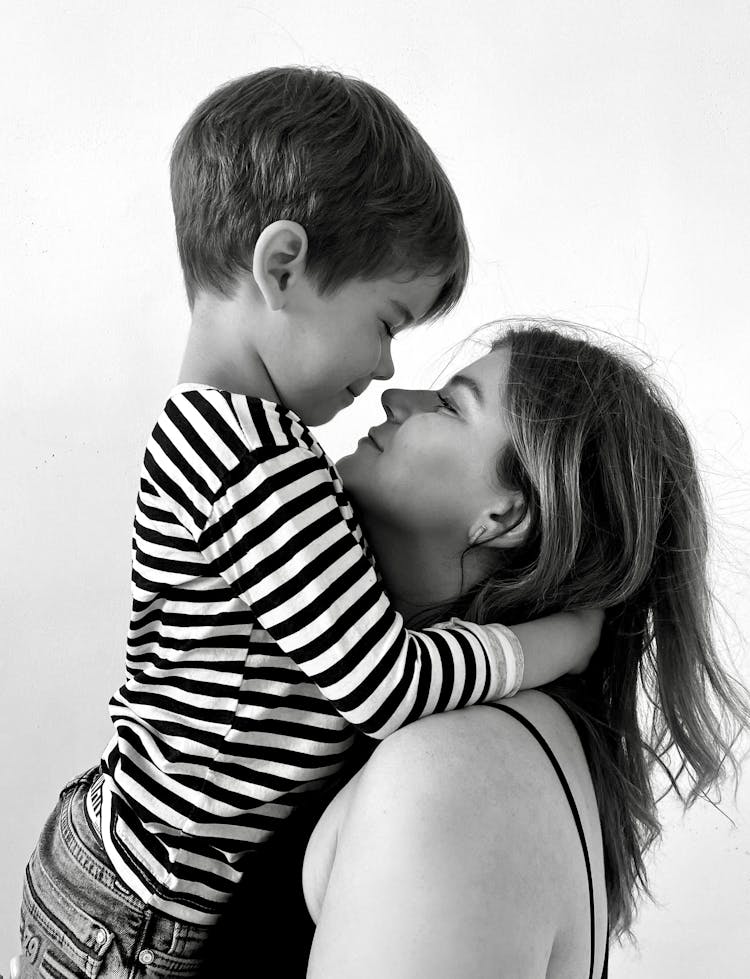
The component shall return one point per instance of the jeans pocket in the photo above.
(55, 929)
(54, 966)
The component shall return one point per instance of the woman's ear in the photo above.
(504, 524)
(279, 260)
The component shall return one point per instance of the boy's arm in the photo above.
(272, 527)
(277, 535)
(553, 645)
(558, 644)
(305, 575)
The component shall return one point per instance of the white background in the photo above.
(600, 150)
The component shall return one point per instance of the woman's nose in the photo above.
(399, 404)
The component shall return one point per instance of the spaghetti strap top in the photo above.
(579, 826)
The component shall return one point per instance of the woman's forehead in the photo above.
(488, 374)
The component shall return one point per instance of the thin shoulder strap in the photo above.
(576, 817)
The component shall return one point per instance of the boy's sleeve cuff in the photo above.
(507, 664)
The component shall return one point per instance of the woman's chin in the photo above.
(344, 465)
(353, 467)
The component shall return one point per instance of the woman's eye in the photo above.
(445, 402)
(388, 329)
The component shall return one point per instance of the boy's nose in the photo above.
(384, 370)
(399, 403)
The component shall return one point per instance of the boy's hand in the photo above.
(590, 622)
(558, 644)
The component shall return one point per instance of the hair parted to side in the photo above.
(618, 521)
(330, 152)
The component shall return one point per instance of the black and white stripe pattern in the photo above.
(260, 634)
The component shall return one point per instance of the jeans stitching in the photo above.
(57, 918)
(90, 863)
(37, 911)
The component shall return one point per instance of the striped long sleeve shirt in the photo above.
(260, 637)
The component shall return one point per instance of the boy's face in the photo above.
(325, 350)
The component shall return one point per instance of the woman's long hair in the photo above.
(617, 521)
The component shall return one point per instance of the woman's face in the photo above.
(431, 467)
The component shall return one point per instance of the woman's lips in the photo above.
(374, 441)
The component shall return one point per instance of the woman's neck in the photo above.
(420, 572)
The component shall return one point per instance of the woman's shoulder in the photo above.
(482, 740)
(473, 761)
(486, 765)
(467, 805)
(480, 765)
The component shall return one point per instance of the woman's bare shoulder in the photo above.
(469, 764)
(482, 741)
(465, 814)
(487, 748)
(481, 764)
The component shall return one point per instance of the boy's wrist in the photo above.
(512, 660)
(508, 662)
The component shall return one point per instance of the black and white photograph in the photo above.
(375, 597)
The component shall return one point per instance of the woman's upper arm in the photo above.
(442, 868)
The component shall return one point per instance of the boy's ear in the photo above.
(504, 524)
(279, 260)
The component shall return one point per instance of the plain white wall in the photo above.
(600, 153)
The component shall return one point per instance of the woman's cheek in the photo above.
(431, 477)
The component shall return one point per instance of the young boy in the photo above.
(313, 224)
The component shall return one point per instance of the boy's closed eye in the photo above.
(404, 315)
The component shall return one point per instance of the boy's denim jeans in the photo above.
(78, 919)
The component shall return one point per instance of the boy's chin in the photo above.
(313, 419)
(321, 414)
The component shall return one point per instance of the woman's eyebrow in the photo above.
(461, 380)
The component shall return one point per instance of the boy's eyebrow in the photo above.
(407, 317)
(461, 380)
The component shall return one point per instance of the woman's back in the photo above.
(456, 852)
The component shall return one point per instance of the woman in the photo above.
(549, 474)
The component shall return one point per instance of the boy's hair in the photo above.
(329, 152)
